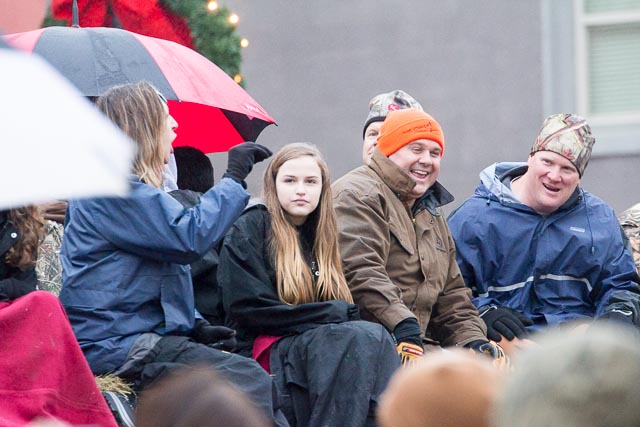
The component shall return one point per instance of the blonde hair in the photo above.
(139, 111)
(30, 225)
(295, 281)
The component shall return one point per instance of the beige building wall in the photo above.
(477, 67)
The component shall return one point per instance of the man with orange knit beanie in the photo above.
(397, 251)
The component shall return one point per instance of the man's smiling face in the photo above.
(420, 159)
(552, 180)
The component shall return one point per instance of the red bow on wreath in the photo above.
(147, 17)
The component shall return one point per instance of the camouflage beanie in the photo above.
(568, 135)
(381, 104)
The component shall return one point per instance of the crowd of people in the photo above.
(298, 308)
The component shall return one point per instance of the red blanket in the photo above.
(43, 372)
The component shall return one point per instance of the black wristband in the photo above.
(408, 331)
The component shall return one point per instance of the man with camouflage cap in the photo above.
(536, 249)
(379, 107)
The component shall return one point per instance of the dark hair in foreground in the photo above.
(195, 171)
(28, 220)
(195, 397)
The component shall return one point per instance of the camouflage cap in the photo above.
(381, 105)
(568, 135)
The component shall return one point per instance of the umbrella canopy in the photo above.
(55, 144)
(214, 113)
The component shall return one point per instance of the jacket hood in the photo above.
(491, 181)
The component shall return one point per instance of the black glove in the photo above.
(623, 307)
(618, 315)
(219, 337)
(353, 312)
(408, 331)
(504, 321)
(242, 158)
(491, 350)
(20, 284)
(484, 347)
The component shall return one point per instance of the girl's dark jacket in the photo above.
(247, 278)
(14, 282)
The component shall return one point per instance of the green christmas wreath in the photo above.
(213, 35)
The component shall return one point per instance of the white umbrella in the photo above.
(54, 143)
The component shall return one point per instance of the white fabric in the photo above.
(55, 144)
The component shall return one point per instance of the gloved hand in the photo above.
(491, 350)
(618, 315)
(409, 353)
(504, 321)
(408, 340)
(242, 158)
(219, 337)
(408, 331)
(353, 312)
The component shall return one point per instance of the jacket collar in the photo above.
(401, 184)
(497, 179)
(394, 177)
(436, 196)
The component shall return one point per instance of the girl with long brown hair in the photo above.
(284, 291)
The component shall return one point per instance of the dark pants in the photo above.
(173, 352)
(333, 375)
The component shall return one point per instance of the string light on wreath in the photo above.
(237, 78)
(207, 26)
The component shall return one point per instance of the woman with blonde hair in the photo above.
(284, 292)
(126, 282)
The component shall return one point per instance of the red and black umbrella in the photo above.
(213, 112)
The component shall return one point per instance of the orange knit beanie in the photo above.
(402, 127)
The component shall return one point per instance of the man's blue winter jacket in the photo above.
(568, 265)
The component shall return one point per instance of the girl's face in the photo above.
(168, 134)
(298, 187)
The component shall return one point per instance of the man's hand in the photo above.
(408, 340)
(491, 350)
(219, 337)
(619, 315)
(54, 211)
(505, 322)
(409, 353)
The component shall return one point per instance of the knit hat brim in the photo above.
(568, 135)
(405, 126)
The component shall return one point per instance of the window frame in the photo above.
(566, 73)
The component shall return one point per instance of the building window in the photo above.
(595, 71)
(608, 36)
